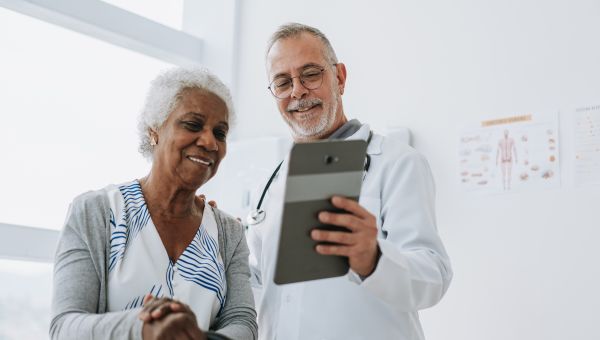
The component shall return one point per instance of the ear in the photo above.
(153, 137)
(341, 76)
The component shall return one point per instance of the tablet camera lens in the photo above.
(330, 159)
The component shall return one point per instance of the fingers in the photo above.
(202, 198)
(156, 308)
(354, 245)
(199, 200)
(341, 243)
(359, 245)
(355, 218)
(349, 221)
(350, 206)
(340, 237)
(174, 326)
(362, 257)
(161, 311)
(149, 304)
(362, 226)
(334, 250)
(147, 299)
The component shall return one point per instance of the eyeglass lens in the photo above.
(311, 78)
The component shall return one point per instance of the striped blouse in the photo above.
(139, 263)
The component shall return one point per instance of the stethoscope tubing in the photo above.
(258, 215)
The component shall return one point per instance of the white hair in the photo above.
(164, 95)
(293, 30)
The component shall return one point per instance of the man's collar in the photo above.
(346, 130)
(374, 147)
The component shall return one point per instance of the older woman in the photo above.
(151, 243)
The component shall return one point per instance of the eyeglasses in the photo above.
(311, 78)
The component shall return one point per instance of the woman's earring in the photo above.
(152, 141)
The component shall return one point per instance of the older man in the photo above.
(398, 264)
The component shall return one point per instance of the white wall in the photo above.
(526, 264)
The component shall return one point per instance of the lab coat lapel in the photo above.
(374, 147)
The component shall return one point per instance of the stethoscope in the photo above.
(258, 215)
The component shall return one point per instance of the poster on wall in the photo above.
(510, 154)
(587, 146)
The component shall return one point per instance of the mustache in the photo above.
(303, 104)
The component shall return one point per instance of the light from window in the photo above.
(68, 116)
(168, 13)
(25, 300)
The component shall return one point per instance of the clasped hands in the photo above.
(165, 318)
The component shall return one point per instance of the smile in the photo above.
(303, 105)
(203, 161)
(305, 109)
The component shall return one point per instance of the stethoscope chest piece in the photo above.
(256, 216)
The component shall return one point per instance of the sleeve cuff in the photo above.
(358, 279)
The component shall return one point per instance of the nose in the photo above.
(298, 89)
(207, 140)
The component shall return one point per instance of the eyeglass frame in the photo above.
(323, 69)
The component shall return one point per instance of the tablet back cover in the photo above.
(316, 172)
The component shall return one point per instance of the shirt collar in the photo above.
(348, 129)
(374, 147)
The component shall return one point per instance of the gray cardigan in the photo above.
(79, 298)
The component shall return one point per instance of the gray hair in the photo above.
(294, 29)
(164, 95)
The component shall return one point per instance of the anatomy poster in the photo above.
(587, 145)
(510, 154)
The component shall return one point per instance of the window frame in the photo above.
(123, 28)
(115, 26)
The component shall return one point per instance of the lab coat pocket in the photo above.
(373, 205)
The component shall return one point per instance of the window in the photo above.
(68, 124)
(25, 300)
(69, 108)
(168, 13)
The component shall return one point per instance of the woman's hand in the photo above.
(173, 326)
(156, 308)
(168, 319)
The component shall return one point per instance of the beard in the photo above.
(305, 126)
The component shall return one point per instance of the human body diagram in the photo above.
(505, 155)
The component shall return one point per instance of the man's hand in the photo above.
(212, 203)
(202, 198)
(359, 245)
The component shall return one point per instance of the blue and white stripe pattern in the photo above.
(134, 217)
(138, 301)
(170, 275)
(199, 264)
(139, 262)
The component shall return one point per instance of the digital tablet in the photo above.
(316, 172)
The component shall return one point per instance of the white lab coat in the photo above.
(413, 272)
